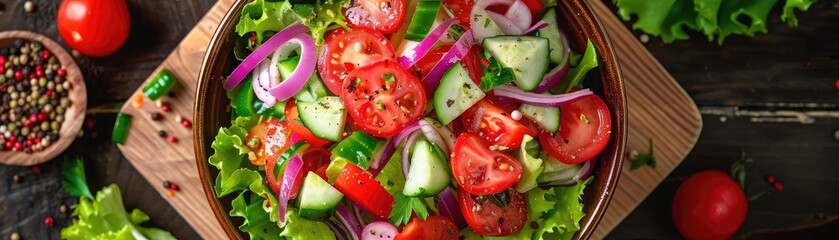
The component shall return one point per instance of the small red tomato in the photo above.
(95, 28)
(709, 205)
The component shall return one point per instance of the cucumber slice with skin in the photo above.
(314, 88)
(317, 198)
(325, 117)
(528, 56)
(455, 94)
(546, 117)
(551, 32)
(427, 175)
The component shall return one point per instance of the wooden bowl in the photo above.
(211, 113)
(73, 117)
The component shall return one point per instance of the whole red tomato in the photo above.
(95, 28)
(709, 205)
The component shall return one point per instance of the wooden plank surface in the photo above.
(658, 109)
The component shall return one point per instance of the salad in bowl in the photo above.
(395, 119)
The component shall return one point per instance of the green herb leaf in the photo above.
(264, 17)
(403, 207)
(501, 199)
(495, 74)
(388, 77)
(75, 182)
(321, 17)
(647, 159)
(738, 169)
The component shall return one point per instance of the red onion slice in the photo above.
(538, 99)
(261, 53)
(289, 178)
(460, 48)
(508, 26)
(410, 57)
(448, 205)
(406, 159)
(386, 153)
(538, 25)
(348, 220)
(259, 74)
(433, 136)
(519, 14)
(379, 231)
(478, 18)
(305, 68)
(444, 131)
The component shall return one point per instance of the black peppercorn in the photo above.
(162, 133)
(167, 184)
(156, 116)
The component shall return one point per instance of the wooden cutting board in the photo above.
(658, 109)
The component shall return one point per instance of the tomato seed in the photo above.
(778, 186)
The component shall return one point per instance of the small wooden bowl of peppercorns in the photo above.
(43, 98)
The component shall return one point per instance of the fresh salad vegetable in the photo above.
(408, 123)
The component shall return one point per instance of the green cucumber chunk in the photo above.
(455, 94)
(317, 198)
(325, 117)
(314, 88)
(547, 117)
(528, 56)
(428, 173)
(551, 32)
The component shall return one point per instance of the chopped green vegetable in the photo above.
(75, 182)
(714, 18)
(391, 177)
(577, 74)
(262, 17)
(359, 148)
(300, 228)
(647, 159)
(495, 74)
(159, 85)
(256, 221)
(323, 16)
(402, 208)
(105, 217)
(532, 166)
(121, 127)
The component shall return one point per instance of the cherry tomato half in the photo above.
(494, 124)
(471, 62)
(385, 16)
(433, 227)
(481, 171)
(709, 205)
(267, 140)
(584, 129)
(95, 28)
(487, 218)
(383, 98)
(345, 50)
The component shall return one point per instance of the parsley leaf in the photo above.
(495, 74)
(388, 77)
(501, 199)
(75, 182)
(403, 207)
(321, 17)
(644, 159)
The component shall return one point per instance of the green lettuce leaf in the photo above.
(577, 74)
(789, 10)
(105, 217)
(261, 16)
(664, 18)
(322, 16)
(301, 228)
(532, 166)
(391, 176)
(706, 16)
(256, 221)
(732, 11)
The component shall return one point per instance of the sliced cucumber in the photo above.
(314, 88)
(546, 117)
(325, 117)
(455, 94)
(551, 32)
(317, 198)
(526, 55)
(427, 175)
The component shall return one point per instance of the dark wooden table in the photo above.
(772, 96)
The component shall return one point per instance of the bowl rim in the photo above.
(611, 80)
(73, 117)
